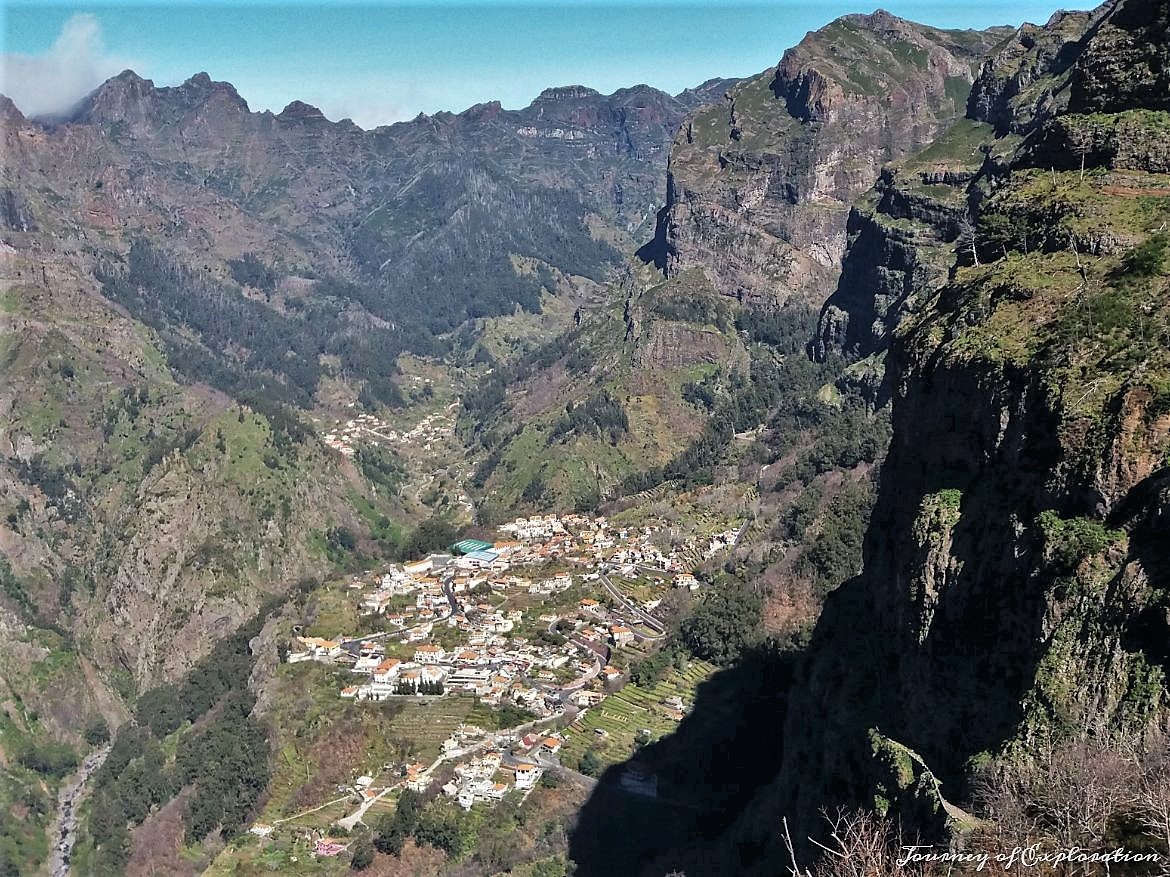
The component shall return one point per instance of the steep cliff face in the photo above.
(1015, 586)
(760, 186)
(904, 233)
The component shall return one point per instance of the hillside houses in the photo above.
(314, 648)
(444, 624)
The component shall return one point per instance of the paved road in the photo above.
(647, 619)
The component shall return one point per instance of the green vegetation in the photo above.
(199, 321)
(27, 807)
(248, 270)
(834, 554)
(624, 715)
(600, 414)
(1068, 541)
(199, 732)
(48, 758)
(381, 468)
(724, 623)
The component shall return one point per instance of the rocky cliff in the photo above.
(903, 233)
(760, 185)
(1015, 587)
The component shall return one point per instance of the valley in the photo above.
(595, 487)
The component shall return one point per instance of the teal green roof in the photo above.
(466, 546)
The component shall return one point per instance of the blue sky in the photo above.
(383, 62)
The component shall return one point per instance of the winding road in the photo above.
(647, 619)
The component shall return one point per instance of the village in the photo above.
(344, 437)
(447, 627)
(527, 622)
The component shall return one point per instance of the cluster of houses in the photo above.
(366, 427)
(421, 601)
(592, 541)
(344, 437)
(487, 778)
(492, 668)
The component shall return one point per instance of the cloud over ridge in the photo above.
(53, 82)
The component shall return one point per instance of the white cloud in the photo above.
(55, 81)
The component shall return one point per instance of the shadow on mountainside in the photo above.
(790, 736)
(723, 751)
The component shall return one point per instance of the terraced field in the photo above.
(424, 725)
(630, 710)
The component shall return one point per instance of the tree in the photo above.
(590, 764)
(391, 831)
(968, 238)
(723, 624)
(97, 731)
(361, 852)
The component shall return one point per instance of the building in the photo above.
(482, 559)
(621, 635)
(431, 673)
(385, 672)
(429, 653)
(467, 546)
(314, 648)
(527, 775)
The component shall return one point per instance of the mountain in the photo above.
(760, 184)
(1003, 646)
(901, 322)
(705, 354)
(181, 189)
(191, 292)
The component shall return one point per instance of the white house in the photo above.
(387, 671)
(527, 775)
(429, 653)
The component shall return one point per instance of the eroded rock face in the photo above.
(760, 186)
(1015, 584)
(1126, 65)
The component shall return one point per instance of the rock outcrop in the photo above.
(1015, 581)
(760, 186)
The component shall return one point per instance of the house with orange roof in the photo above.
(385, 672)
(621, 634)
(429, 653)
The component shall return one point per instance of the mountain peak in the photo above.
(299, 111)
(878, 20)
(568, 92)
(10, 112)
(201, 87)
(488, 110)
